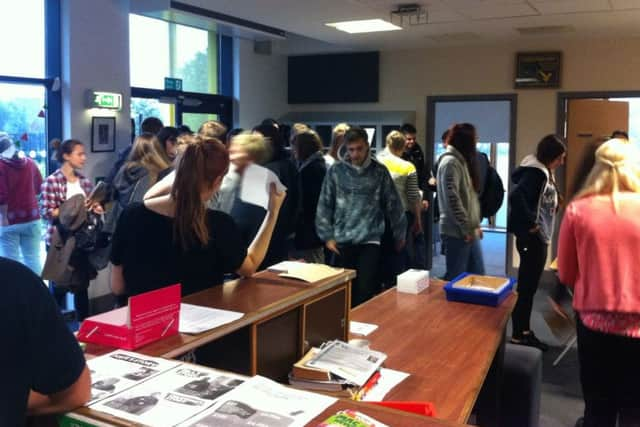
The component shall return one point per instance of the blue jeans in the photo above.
(462, 257)
(21, 242)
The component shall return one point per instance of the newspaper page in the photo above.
(120, 370)
(195, 319)
(262, 402)
(354, 364)
(172, 397)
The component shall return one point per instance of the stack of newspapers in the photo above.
(337, 368)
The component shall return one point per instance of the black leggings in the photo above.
(609, 373)
(533, 255)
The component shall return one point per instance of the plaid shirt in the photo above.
(54, 193)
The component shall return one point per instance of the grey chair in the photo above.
(521, 386)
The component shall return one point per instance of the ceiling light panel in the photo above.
(364, 26)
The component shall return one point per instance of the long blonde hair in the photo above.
(149, 154)
(616, 169)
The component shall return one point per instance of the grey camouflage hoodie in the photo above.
(354, 202)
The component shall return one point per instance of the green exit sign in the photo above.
(106, 100)
(171, 83)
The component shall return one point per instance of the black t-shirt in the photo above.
(143, 244)
(39, 352)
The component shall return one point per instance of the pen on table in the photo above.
(369, 385)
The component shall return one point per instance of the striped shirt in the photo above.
(54, 193)
(405, 178)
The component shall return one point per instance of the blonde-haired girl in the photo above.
(598, 257)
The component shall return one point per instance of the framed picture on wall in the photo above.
(103, 134)
(538, 70)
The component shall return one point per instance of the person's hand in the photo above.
(431, 181)
(416, 228)
(96, 208)
(332, 245)
(479, 233)
(55, 213)
(425, 205)
(276, 198)
(468, 238)
(534, 230)
(400, 244)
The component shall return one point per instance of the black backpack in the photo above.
(492, 195)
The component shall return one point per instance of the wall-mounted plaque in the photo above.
(538, 69)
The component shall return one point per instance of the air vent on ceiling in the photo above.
(545, 29)
(454, 37)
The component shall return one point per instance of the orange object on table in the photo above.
(421, 408)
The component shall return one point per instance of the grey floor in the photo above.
(561, 400)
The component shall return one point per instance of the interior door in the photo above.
(590, 122)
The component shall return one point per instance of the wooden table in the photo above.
(283, 318)
(447, 347)
(391, 417)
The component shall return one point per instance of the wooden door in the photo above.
(590, 122)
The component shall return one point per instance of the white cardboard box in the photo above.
(413, 281)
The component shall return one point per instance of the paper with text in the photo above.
(171, 398)
(120, 370)
(195, 319)
(262, 402)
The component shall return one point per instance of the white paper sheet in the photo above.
(120, 370)
(256, 183)
(170, 398)
(360, 328)
(195, 319)
(388, 380)
(262, 402)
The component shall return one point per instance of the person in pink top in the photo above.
(598, 251)
(20, 230)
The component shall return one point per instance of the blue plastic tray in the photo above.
(475, 296)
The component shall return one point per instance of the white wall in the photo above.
(95, 55)
(260, 85)
(408, 77)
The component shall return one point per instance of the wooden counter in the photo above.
(447, 347)
(283, 318)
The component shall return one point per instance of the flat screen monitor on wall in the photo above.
(333, 78)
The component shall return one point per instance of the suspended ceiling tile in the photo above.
(495, 10)
(547, 7)
(625, 4)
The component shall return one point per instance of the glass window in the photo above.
(160, 49)
(22, 116)
(192, 59)
(148, 51)
(141, 108)
(23, 20)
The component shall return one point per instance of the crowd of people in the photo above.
(173, 214)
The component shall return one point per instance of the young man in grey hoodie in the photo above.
(357, 195)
